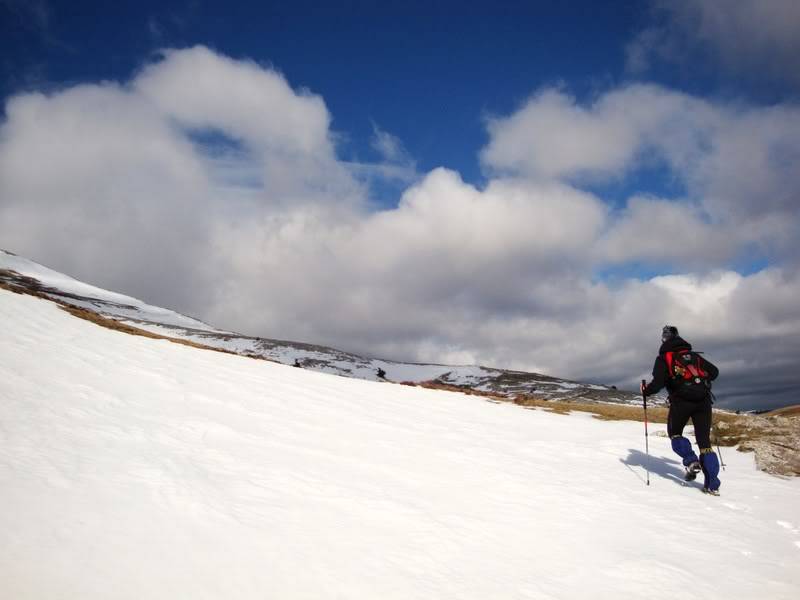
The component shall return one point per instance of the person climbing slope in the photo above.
(687, 377)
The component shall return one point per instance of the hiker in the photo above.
(687, 377)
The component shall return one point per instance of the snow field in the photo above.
(138, 468)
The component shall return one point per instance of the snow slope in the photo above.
(138, 468)
(319, 358)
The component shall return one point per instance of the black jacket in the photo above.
(661, 376)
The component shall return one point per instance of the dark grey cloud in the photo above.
(753, 38)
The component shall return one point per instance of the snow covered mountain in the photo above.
(139, 468)
(171, 324)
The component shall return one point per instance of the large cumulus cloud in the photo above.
(212, 186)
(740, 166)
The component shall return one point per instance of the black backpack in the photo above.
(685, 369)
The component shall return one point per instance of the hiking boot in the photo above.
(692, 470)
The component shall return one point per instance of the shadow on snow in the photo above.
(667, 468)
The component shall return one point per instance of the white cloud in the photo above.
(286, 132)
(739, 164)
(448, 249)
(268, 232)
(202, 89)
(389, 146)
(396, 164)
(667, 232)
(94, 181)
(554, 136)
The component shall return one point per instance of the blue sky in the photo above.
(428, 72)
(522, 184)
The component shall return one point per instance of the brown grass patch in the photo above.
(97, 319)
(604, 412)
(447, 387)
(786, 411)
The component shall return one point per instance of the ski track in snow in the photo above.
(138, 468)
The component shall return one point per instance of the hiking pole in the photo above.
(719, 452)
(716, 433)
(646, 441)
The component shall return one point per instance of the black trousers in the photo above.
(680, 411)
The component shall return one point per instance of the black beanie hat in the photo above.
(668, 332)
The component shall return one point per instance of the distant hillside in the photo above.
(32, 277)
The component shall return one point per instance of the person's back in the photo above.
(687, 377)
(673, 355)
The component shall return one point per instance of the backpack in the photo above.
(685, 369)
